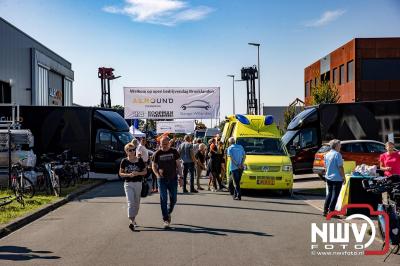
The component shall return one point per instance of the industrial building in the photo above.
(30, 73)
(364, 69)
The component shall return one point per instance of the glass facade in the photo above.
(380, 69)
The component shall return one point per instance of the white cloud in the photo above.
(326, 17)
(163, 12)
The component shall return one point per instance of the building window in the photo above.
(341, 73)
(380, 69)
(307, 89)
(335, 75)
(5, 92)
(350, 70)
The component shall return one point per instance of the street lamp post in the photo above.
(233, 85)
(258, 63)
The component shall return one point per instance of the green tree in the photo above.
(324, 92)
(291, 111)
(118, 107)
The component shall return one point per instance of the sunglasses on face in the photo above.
(131, 150)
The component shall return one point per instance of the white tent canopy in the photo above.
(136, 132)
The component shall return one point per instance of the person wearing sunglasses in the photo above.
(132, 170)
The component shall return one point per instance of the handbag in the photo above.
(145, 188)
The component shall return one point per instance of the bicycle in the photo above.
(47, 179)
(84, 171)
(8, 199)
(19, 183)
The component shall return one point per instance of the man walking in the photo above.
(187, 155)
(167, 167)
(237, 155)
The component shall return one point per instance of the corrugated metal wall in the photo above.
(68, 92)
(43, 87)
(23, 64)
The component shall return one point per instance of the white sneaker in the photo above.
(166, 224)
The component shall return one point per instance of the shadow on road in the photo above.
(193, 229)
(274, 202)
(17, 253)
(235, 207)
(107, 190)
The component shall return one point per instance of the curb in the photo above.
(15, 225)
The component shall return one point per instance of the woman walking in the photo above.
(216, 156)
(132, 170)
(200, 163)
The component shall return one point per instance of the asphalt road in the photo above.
(208, 229)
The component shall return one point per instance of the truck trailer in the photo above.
(96, 135)
(375, 120)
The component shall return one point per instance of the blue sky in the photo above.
(197, 43)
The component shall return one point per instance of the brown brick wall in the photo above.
(339, 57)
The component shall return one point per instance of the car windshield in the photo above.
(288, 136)
(262, 146)
(124, 137)
(199, 134)
(301, 117)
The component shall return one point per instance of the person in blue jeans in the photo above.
(188, 158)
(237, 155)
(334, 175)
(167, 167)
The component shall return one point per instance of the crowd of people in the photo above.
(183, 161)
(180, 162)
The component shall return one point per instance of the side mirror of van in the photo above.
(292, 150)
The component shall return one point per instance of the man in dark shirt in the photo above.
(167, 166)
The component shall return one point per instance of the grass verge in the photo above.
(15, 210)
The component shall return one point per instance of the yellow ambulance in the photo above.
(267, 164)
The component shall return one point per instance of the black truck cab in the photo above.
(302, 140)
(112, 134)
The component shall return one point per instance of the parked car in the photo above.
(360, 151)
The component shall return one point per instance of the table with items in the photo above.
(353, 192)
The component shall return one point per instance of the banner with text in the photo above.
(171, 103)
(182, 126)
